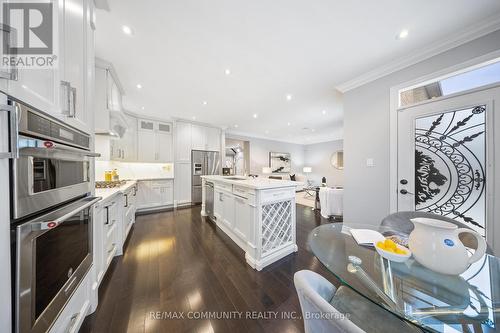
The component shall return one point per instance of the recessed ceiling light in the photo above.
(288, 124)
(323, 112)
(403, 34)
(127, 30)
(255, 115)
(289, 97)
(227, 71)
(139, 86)
(312, 130)
(143, 108)
(193, 117)
(236, 126)
(205, 102)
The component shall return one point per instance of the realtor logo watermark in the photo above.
(28, 35)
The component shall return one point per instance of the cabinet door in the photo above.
(198, 137)
(129, 140)
(114, 97)
(218, 205)
(182, 142)
(74, 60)
(144, 194)
(156, 195)
(241, 217)
(213, 139)
(164, 142)
(146, 146)
(38, 87)
(182, 182)
(228, 206)
(168, 193)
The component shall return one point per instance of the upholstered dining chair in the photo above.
(400, 223)
(326, 309)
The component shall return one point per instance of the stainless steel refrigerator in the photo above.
(204, 163)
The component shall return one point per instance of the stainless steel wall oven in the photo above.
(51, 215)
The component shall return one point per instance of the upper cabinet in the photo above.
(60, 90)
(183, 141)
(155, 141)
(108, 96)
(205, 138)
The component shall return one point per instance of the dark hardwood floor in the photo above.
(179, 262)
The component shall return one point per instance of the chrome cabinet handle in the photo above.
(73, 102)
(66, 86)
(12, 110)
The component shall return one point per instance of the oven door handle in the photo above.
(55, 221)
(57, 149)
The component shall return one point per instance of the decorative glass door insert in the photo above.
(450, 165)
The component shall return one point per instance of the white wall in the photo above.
(260, 148)
(366, 131)
(318, 157)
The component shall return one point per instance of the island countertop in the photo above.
(253, 183)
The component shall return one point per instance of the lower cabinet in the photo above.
(235, 214)
(182, 183)
(242, 217)
(71, 318)
(154, 194)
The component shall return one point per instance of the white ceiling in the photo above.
(180, 50)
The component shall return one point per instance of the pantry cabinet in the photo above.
(182, 141)
(182, 172)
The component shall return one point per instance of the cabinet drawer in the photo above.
(243, 191)
(73, 314)
(225, 187)
(277, 195)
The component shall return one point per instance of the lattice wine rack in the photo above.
(276, 225)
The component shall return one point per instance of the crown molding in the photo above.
(239, 135)
(472, 32)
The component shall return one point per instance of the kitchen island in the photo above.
(257, 214)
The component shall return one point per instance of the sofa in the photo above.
(299, 178)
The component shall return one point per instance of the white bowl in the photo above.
(394, 256)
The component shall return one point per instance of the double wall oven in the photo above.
(51, 214)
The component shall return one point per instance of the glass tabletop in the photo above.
(469, 302)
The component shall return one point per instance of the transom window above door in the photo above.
(467, 79)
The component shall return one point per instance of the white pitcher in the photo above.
(435, 245)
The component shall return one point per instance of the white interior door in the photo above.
(445, 159)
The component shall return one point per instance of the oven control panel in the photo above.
(47, 128)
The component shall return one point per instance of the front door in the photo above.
(445, 158)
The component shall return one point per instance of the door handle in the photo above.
(403, 191)
(14, 131)
(403, 181)
(66, 86)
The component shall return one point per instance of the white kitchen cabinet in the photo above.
(228, 207)
(205, 138)
(243, 217)
(73, 68)
(125, 148)
(72, 316)
(114, 93)
(155, 141)
(198, 137)
(182, 141)
(213, 139)
(182, 172)
(154, 194)
(62, 90)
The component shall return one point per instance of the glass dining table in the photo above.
(434, 302)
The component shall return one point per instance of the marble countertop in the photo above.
(253, 183)
(108, 193)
